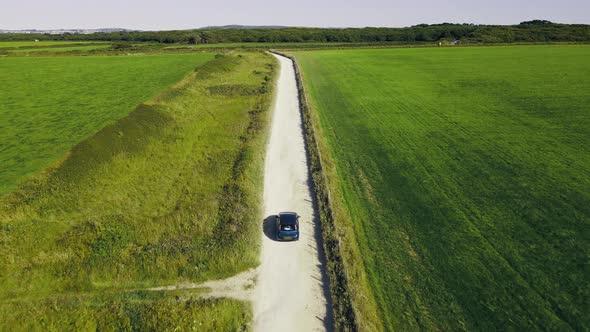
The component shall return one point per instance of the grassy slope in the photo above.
(465, 173)
(169, 193)
(48, 104)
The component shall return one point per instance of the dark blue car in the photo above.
(287, 225)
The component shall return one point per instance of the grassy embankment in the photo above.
(169, 193)
(49, 104)
(461, 183)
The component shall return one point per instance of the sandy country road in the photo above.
(291, 291)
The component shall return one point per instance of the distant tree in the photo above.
(536, 22)
(528, 31)
(167, 40)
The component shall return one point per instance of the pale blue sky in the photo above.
(186, 14)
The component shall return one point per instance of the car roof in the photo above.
(288, 218)
(287, 213)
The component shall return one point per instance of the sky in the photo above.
(189, 14)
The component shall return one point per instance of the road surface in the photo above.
(291, 291)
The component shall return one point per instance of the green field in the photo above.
(51, 103)
(17, 44)
(132, 311)
(300, 45)
(463, 176)
(167, 194)
(81, 48)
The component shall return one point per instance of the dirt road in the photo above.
(291, 291)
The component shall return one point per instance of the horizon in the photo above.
(158, 15)
(242, 26)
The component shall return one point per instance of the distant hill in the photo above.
(237, 26)
(62, 31)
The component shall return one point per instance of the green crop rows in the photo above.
(465, 176)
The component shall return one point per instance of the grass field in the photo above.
(278, 45)
(169, 193)
(17, 44)
(463, 178)
(48, 104)
(80, 48)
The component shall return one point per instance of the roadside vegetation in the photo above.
(131, 311)
(169, 193)
(49, 104)
(459, 182)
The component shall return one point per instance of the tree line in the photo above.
(530, 31)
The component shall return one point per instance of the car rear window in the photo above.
(288, 227)
(288, 219)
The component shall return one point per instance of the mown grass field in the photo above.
(169, 193)
(463, 175)
(49, 104)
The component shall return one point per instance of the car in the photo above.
(287, 226)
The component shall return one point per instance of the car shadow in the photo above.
(269, 227)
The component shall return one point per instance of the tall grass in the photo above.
(131, 311)
(462, 176)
